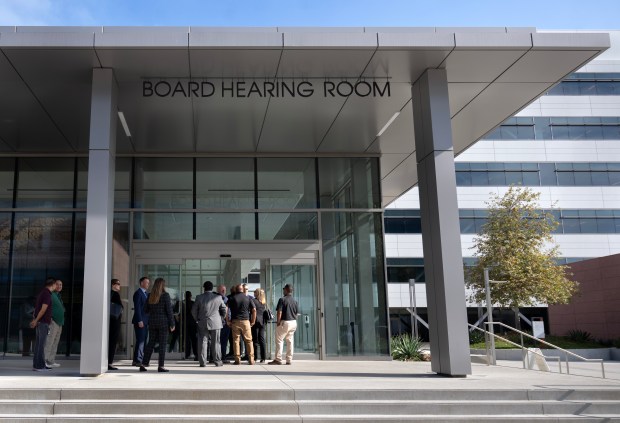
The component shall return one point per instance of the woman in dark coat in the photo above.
(161, 321)
(258, 330)
(115, 321)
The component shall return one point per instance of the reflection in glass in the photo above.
(287, 226)
(45, 182)
(122, 183)
(82, 182)
(163, 226)
(42, 247)
(354, 284)
(7, 171)
(349, 182)
(225, 226)
(164, 183)
(5, 244)
(225, 183)
(286, 183)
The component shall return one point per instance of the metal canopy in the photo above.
(46, 73)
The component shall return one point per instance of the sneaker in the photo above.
(276, 362)
(52, 364)
(48, 368)
(45, 369)
(142, 369)
(162, 370)
(110, 367)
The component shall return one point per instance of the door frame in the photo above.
(175, 252)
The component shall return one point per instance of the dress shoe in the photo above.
(262, 361)
(136, 363)
(142, 369)
(288, 363)
(236, 363)
(276, 362)
(162, 370)
(110, 367)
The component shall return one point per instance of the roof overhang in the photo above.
(45, 86)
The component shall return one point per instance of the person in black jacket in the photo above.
(161, 320)
(115, 322)
(258, 330)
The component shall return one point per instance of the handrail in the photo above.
(523, 348)
(566, 352)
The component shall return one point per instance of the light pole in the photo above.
(491, 329)
(487, 288)
(414, 326)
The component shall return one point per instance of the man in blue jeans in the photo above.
(140, 320)
(41, 323)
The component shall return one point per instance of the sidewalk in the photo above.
(16, 373)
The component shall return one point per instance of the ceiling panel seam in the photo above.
(96, 53)
(275, 76)
(39, 102)
(498, 76)
(347, 99)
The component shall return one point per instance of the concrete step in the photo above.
(309, 405)
(318, 418)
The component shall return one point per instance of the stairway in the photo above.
(329, 405)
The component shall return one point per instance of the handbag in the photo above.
(116, 310)
(268, 315)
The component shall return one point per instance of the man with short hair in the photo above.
(58, 320)
(140, 320)
(225, 332)
(242, 317)
(287, 309)
(41, 322)
(208, 311)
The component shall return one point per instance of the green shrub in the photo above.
(579, 335)
(406, 348)
(476, 337)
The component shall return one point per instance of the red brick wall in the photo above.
(596, 309)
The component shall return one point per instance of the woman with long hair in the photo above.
(161, 320)
(258, 330)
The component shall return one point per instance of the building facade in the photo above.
(264, 155)
(565, 145)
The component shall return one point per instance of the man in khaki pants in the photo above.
(287, 309)
(240, 317)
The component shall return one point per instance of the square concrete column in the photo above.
(99, 219)
(441, 235)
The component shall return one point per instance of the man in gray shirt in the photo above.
(208, 310)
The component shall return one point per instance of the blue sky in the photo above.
(543, 14)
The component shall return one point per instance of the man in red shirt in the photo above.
(41, 323)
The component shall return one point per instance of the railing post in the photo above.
(490, 315)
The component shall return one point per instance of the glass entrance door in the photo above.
(252, 266)
(302, 277)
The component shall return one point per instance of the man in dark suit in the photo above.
(140, 320)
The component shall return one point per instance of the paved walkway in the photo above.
(376, 375)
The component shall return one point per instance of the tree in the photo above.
(516, 246)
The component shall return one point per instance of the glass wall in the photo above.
(354, 284)
(42, 231)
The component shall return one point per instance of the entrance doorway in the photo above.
(186, 266)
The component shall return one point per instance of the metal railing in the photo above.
(566, 352)
(491, 357)
(527, 351)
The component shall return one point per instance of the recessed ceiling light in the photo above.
(389, 122)
(121, 116)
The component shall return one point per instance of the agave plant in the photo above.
(406, 348)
